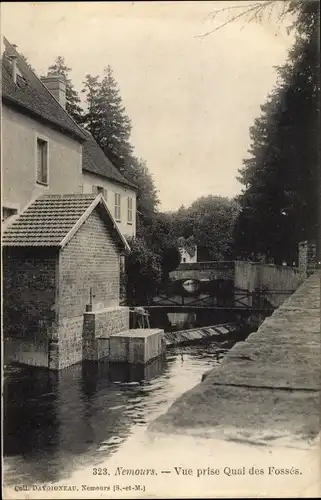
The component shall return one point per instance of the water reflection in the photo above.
(56, 423)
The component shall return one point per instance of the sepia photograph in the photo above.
(161, 249)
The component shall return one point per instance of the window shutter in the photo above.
(117, 207)
(42, 161)
(129, 210)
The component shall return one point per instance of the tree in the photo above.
(93, 116)
(170, 259)
(187, 243)
(144, 272)
(73, 103)
(281, 199)
(255, 11)
(156, 230)
(106, 118)
(107, 121)
(154, 255)
(137, 171)
(207, 223)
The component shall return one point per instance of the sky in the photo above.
(191, 98)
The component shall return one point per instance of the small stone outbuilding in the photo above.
(61, 271)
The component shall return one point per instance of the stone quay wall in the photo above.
(99, 326)
(267, 388)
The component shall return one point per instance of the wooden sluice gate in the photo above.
(200, 334)
(141, 321)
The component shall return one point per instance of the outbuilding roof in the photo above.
(52, 220)
(32, 97)
(96, 162)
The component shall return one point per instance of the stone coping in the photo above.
(138, 332)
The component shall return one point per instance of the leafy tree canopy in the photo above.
(144, 272)
(207, 223)
(106, 117)
(281, 177)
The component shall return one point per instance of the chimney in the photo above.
(14, 68)
(56, 84)
(12, 57)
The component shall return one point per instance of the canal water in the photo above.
(58, 423)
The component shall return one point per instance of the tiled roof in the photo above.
(51, 219)
(31, 96)
(96, 162)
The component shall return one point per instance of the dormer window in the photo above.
(21, 81)
(12, 61)
(15, 72)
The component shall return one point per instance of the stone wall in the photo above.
(269, 278)
(137, 346)
(29, 291)
(154, 345)
(307, 257)
(107, 321)
(119, 349)
(277, 277)
(89, 261)
(86, 337)
(99, 326)
(245, 276)
(266, 391)
(101, 349)
(244, 279)
(46, 297)
(69, 349)
(123, 280)
(204, 270)
(32, 352)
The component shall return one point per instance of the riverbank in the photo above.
(267, 389)
(262, 439)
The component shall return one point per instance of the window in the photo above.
(117, 207)
(8, 212)
(100, 189)
(42, 162)
(129, 210)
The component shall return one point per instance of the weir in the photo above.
(200, 294)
